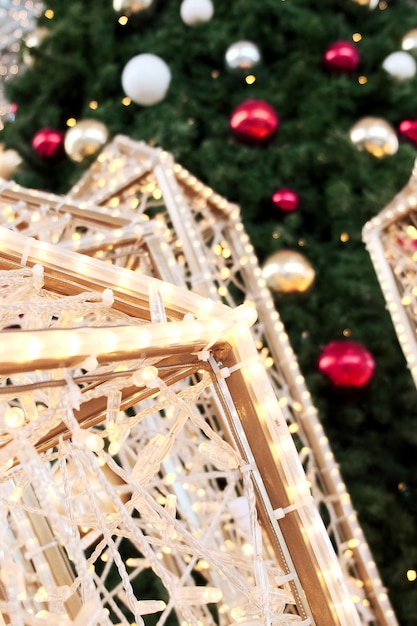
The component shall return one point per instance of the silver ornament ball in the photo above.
(242, 55)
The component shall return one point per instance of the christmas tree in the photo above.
(314, 73)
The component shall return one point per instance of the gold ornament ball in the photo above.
(374, 135)
(85, 139)
(10, 162)
(288, 271)
(127, 7)
(372, 4)
(409, 41)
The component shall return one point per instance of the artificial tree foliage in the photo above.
(372, 430)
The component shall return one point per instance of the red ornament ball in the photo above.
(346, 364)
(49, 144)
(408, 128)
(254, 121)
(342, 56)
(285, 199)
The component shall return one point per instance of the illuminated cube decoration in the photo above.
(391, 240)
(208, 239)
(140, 436)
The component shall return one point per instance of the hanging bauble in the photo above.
(374, 135)
(242, 56)
(195, 11)
(254, 121)
(408, 128)
(145, 79)
(285, 199)
(341, 56)
(32, 41)
(409, 41)
(10, 161)
(346, 364)
(49, 143)
(371, 4)
(128, 7)
(288, 271)
(400, 65)
(85, 139)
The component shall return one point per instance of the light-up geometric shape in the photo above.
(96, 338)
(211, 247)
(391, 240)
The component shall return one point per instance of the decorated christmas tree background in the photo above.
(305, 115)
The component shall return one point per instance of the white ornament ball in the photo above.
(146, 79)
(195, 11)
(400, 65)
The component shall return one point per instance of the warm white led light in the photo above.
(14, 417)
